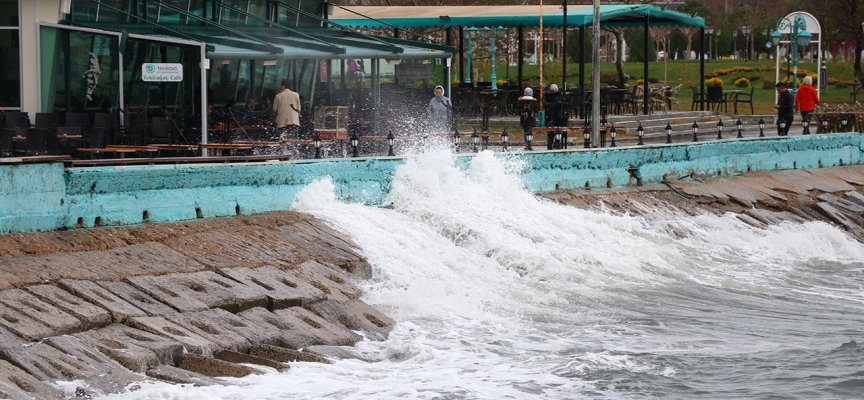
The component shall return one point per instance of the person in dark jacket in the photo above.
(556, 106)
(527, 110)
(785, 108)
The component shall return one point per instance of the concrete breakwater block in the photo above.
(237, 246)
(169, 373)
(242, 358)
(56, 321)
(65, 358)
(284, 355)
(21, 325)
(119, 309)
(8, 339)
(192, 338)
(299, 327)
(90, 316)
(213, 367)
(17, 384)
(334, 283)
(355, 315)
(133, 348)
(283, 288)
(325, 245)
(150, 305)
(220, 322)
(200, 290)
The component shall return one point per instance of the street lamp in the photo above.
(613, 133)
(695, 127)
(505, 137)
(390, 142)
(799, 38)
(556, 144)
(355, 142)
(844, 119)
(745, 30)
(806, 125)
(824, 124)
(761, 127)
(456, 138)
(739, 125)
(709, 30)
(735, 44)
(586, 134)
(316, 142)
(475, 139)
(640, 132)
(529, 137)
(781, 127)
(668, 130)
(471, 32)
(719, 129)
(716, 43)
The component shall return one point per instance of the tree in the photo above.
(841, 21)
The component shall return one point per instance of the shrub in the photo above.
(714, 82)
(742, 82)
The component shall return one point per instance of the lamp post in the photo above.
(716, 43)
(475, 139)
(719, 129)
(586, 134)
(640, 131)
(799, 37)
(529, 137)
(470, 38)
(761, 127)
(390, 142)
(505, 137)
(492, 76)
(613, 133)
(355, 143)
(316, 142)
(824, 124)
(746, 30)
(556, 144)
(806, 125)
(735, 44)
(709, 31)
(781, 127)
(739, 125)
(695, 128)
(668, 130)
(456, 138)
(844, 120)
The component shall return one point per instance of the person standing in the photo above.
(527, 110)
(806, 99)
(556, 103)
(785, 108)
(286, 105)
(439, 111)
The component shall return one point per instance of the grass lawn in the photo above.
(686, 73)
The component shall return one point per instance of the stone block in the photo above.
(90, 315)
(173, 374)
(222, 323)
(335, 284)
(283, 288)
(119, 308)
(58, 322)
(356, 316)
(22, 325)
(135, 349)
(201, 290)
(66, 358)
(17, 384)
(191, 340)
(213, 367)
(242, 358)
(285, 355)
(150, 305)
(299, 327)
(9, 339)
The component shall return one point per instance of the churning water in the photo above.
(500, 294)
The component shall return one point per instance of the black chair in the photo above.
(714, 98)
(744, 98)
(6, 143)
(161, 131)
(698, 99)
(16, 118)
(49, 121)
(37, 141)
(109, 123)
(78, 119)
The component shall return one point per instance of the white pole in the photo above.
(595, 76)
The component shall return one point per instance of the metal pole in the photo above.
(461, 54)
(493, 76)
(645, 93)
(702, 69)
(468, 77)
(581, 93)
(595, 75)
(564, 44)
(520, 52)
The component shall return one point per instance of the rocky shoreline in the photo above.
(188, 302)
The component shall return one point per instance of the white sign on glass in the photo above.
(162, 72)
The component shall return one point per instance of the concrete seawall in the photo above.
(45, 197)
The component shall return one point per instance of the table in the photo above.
(227, 148)
(122, 150)
(727, 93)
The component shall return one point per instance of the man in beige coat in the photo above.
(286, 105)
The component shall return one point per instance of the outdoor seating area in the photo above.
(838, 118)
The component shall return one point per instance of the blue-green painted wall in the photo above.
(38, 197)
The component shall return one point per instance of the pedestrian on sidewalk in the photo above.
(527, 110)
(785, 108)
(806, 99)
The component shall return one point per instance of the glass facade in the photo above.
(10, 55)
(225, 12)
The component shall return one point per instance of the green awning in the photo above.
(360, 49)
(622, 15)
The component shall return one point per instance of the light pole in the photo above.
(799, 37)
(470, 50)
(710, 32)
(493, 77)
(735, 44)
(716, 43)
(745, 30)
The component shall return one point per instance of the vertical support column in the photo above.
(702, 69)
(461, 54)
(520, 52)
(564, 52)
(645, 43)
(204, 65)
(582, 72)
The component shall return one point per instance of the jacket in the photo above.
(438, 113)
(787, 105)
(806, 99)
(286, 105)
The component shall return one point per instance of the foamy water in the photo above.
(499, 294)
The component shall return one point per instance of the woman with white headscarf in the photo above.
(439, 112)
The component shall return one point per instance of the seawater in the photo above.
(500, 294)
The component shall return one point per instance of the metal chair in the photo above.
(744, 98)
(698, 99)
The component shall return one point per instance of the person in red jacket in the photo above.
(806, 99)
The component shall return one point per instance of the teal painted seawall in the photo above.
(41, 197)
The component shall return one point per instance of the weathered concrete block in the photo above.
(241, 358)
(17, 384)
(324, 244)
(176, 375)
(191, 340)
(8, 339)
(65, 358)
(284, 355)
(135, 349)
(188, 292)
(300, 327)
(22, 325)
(213, 367)
(120, 309)
(57, 321)
(356, 316)
(90, 316)
(336, 285)
(150, 305)
(230, 325)
(283, 287)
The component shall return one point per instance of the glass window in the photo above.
(9, 12)
(10, 69)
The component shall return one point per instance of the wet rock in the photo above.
(300, 328)
(241, 358)
(140, 299)
(285, 355)
(214, 368)
(283, 288)
(56, 321)
(173, 374)
(89, 315)
(200, 291)
(135, 349)
(18, 384)
(356, 316)
(119, 308)
(335, 284)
